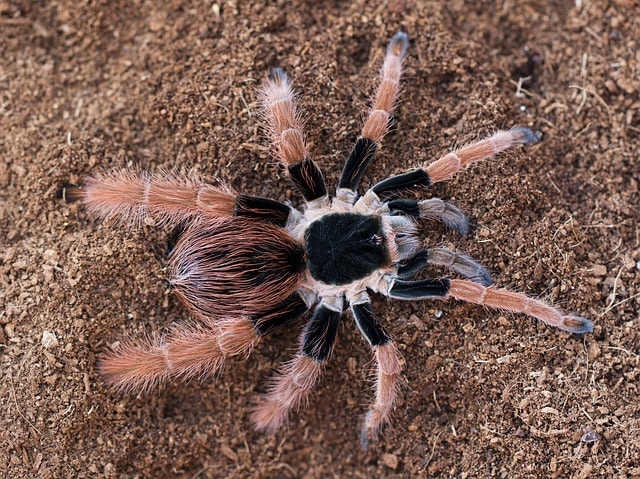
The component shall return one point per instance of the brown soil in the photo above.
(87, 86)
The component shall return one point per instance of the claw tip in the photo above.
(399, 44)
(527, 136)
(577, 325)
(277, 74)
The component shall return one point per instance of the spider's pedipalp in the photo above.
(286, 128)
(377, 121)
(433, 209)
(460, 263)
(450, 215)
(451, 163)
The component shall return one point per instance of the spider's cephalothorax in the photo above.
(246, 266)
(344, 247)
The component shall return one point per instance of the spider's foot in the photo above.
(133, 368)
(267, 416)
(69, 193)
(456, 220)
(576, 324)
(277, 75)
(373, 422)
(482, 277)
(398, 45)
(526, 136)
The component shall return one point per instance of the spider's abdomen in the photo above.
(235, 268)
(345, 247)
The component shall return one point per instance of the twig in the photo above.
(586, 90)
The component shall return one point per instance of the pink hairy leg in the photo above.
(386, 96)
(169, 199)
(283, 119)
(189, 350)
(450, 164)
(518, 303)
(389, 368)
(287, 390)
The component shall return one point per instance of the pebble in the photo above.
(49, 340)
(390, 460)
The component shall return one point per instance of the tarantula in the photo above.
(246, 266)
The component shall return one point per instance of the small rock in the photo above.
(594, 351)
(50, 256)
(590, 436)
(390, 460)
(49, 340)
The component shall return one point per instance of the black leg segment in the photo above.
(424, 289)
(262, 209)
(360, 157)
(400, 183)
(320, 333)
(408, 207)
(368, 324)
(414, 265)
(282, 314)
(308, 179)
(460, 263)
(432, 209)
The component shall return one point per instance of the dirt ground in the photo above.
(89, 86)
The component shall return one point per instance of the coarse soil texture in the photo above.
(92, 86)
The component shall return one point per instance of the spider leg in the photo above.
(377, 122)
(518, 303)
(169, 199)
(422, 289)
(286, 129)
(460, 263)
(192, 349)
(294, 381)
(433, 209)
(494, 298)
(388, 374)
(451, 163)
(189, 350)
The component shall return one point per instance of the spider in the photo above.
(246, 266)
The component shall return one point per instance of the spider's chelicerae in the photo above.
(246, 266)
